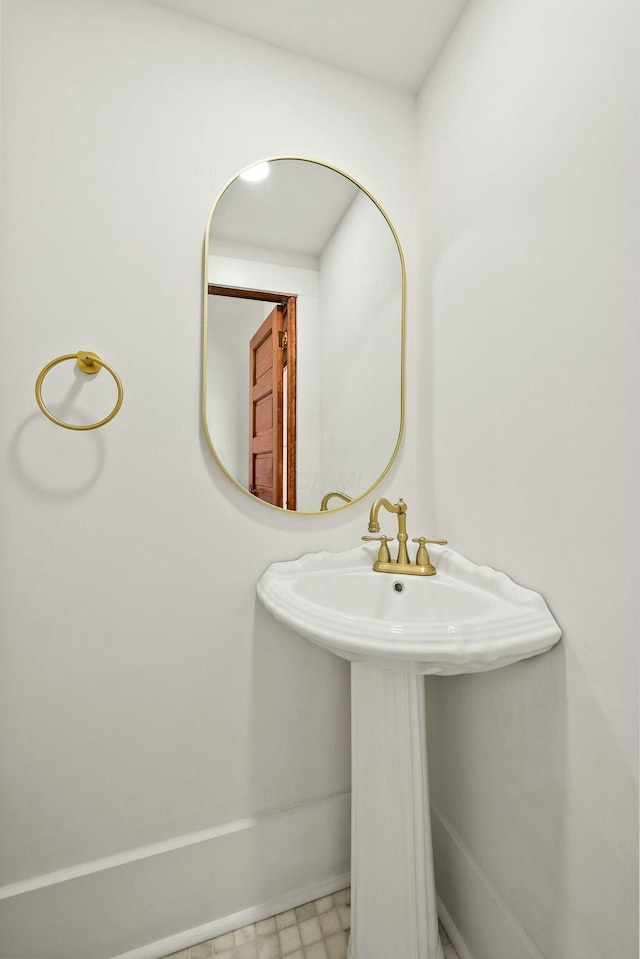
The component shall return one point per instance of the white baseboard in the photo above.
(158, 899)
(452, 931)
(464, 891)
(165, 947)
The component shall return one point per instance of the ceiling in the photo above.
(295, 210)
(392, 41)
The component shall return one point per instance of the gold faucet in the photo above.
(324, 505)
(384, 564)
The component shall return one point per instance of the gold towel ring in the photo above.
(88, 363)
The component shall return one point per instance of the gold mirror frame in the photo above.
(205, 266)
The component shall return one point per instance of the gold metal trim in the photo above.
(384, 564)
(205, 327)
(89, 363)
(324, 505)
(384, 555)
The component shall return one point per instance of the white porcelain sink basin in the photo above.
(393, 628)
(466, 618)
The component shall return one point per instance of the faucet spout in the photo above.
(324, 505)
(399, 507)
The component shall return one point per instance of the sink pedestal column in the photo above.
(393, 901)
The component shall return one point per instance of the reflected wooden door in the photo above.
(265, 410)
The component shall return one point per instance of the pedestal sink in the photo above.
(395, 629)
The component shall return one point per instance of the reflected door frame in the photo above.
(289, 349)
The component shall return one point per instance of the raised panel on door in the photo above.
(265, 410)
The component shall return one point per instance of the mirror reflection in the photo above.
(304, 317)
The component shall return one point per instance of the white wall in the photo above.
(529, 186)
(150, 710)
(361, 310)
(151, 713)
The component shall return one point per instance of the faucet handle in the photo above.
(422, 557)
(383, 553)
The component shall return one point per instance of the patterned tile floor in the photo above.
(317, 930)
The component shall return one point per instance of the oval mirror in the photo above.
(303, 347)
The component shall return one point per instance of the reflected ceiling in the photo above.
(293, 210)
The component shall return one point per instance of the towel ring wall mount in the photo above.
(89, 363)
